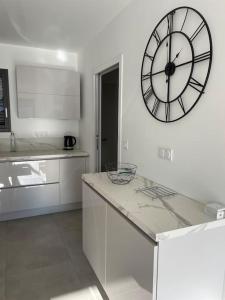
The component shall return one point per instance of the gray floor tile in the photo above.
(72, 240)
(25, 286)
(41, 258)
(3, 226)
(2, 288)
(34, 257)
(29, 229)
(69, 220)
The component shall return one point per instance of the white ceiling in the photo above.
(55, 24)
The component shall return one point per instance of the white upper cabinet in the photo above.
(48, 93)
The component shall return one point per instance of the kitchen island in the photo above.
(142, 248)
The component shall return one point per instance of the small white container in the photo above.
(216, 210)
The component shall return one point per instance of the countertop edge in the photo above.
(156, 237)
(42, 155)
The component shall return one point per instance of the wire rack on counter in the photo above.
(156, 191)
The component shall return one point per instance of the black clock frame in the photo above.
(190, 39)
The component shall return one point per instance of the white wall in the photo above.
(10, 56)
(198, 139)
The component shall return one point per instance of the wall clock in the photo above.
(176, 64)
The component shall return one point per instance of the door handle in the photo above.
(97, 141)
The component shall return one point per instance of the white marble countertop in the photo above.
(40, 154)
(160, 219)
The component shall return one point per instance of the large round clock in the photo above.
(176, 64)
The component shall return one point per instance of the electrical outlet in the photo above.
(166, 153)
(40, 134)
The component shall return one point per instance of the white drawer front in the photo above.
(27, 173)
(70, 179)
(31, 197)
(4, 175)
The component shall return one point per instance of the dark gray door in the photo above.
(109, 118)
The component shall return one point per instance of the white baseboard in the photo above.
(40, 211)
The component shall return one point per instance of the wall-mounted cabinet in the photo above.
(48, 93)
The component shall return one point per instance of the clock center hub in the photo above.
(170, 69)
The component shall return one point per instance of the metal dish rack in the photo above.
(156, 192)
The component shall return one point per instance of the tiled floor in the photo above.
(41, 258)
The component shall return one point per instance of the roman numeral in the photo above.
(167, 111)
(180, 100)
(146, 76)
(196, 85)
(147, 95)
(155, 107)
(185, 18)
(157, 37)
(202, 57)
(197, 31)
(149, 56)
(170, 23)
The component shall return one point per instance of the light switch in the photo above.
(125, 145)
(169, 153)
(161, 153)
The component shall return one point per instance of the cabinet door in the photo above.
(70, 179)
(192, 267)
(18, 199)
(59, 106)
(59, 88)
(130, 261)
(94, 223)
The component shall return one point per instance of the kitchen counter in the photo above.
(160, 219)
(40, 154)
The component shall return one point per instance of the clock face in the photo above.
(176, 64)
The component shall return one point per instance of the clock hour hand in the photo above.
(177, 55)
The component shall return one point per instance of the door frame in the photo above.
(99, 71)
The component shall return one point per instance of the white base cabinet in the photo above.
(133, 267)
(29, 197)
(130, 259)
(36, 187)
(70, 179)
(25, 173)
(122, 258)
(94, 231)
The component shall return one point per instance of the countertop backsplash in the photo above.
(42, 143)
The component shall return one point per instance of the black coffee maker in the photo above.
(69, 142)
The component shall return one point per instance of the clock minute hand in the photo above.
(180, 65)
(185, 63)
